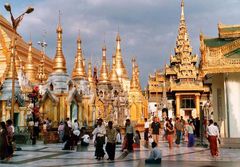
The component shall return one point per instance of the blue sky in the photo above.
(148, 28)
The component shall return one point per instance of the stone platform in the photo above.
(52, 155)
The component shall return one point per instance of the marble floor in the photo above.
(52, 155)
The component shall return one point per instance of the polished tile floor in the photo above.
(52, 155)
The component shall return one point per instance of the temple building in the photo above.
(220, 64)
(27, 59)
(84, 95)
(184, 86)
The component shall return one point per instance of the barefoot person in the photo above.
(111, 134)
(212, 135)
(129, 135)
(155, 155)
(155, 130)
(100, 133)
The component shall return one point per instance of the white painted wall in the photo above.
(233, 95)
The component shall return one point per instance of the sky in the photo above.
(148, 28)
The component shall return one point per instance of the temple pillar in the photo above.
(197, 101)
(22, 116)
(4, 111)
(55, 115)
(177, 105)
(93, 114)
(80, 114)
(61, 108)
(68, 111)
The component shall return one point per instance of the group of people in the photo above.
(70, 134)
(6, 140)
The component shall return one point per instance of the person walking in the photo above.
(111, 134)
(137, 139)
(190, 130)
(10, 137)
(3, 141)
(119, 137)
(99, 132)
(66, 137)
(170, 132)
(212, 135)
(178, 128)
(155, 130)
(129, 135)
(146, 131)
(61, 131)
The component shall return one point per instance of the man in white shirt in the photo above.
(212, 135)
(146, 131)
(100, 133)
(85, 139)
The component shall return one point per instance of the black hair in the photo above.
(154, 144)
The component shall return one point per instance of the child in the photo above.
(155, 155)
(85, 139)
(150, 139)
(119, 137)
(124, 144)
(137, 139)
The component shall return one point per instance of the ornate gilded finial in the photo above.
(182, 10)
(137, 77)
(134, 84)
(29, 67)
(59, 59)
(89, 70)
(59, 21)
(120, 68)
(103, 78)
(118, 39)
(79, 69)
(113, 77)
(10, 66)
(41, 70)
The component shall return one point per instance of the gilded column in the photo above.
(197, 101)
(55, 114)
(22, 117)
(177, 105)
(80, 111)
(68, 110)
(4, 111)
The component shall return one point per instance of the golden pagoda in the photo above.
(27, 58)
(79, 69)
(138, 104)
(30, 69)
(103, 78)
(120, 67)
(181, 78)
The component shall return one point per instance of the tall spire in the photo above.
(134, 83)
(183, 47)
(41, 71)
(59, 59)
(184, 63)
(79, 70)
(90, 75)
(182, 10)
(10, 65)
(29, 67)
(103, 71)
(137, 77)
(120, 68)
(113, 77)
